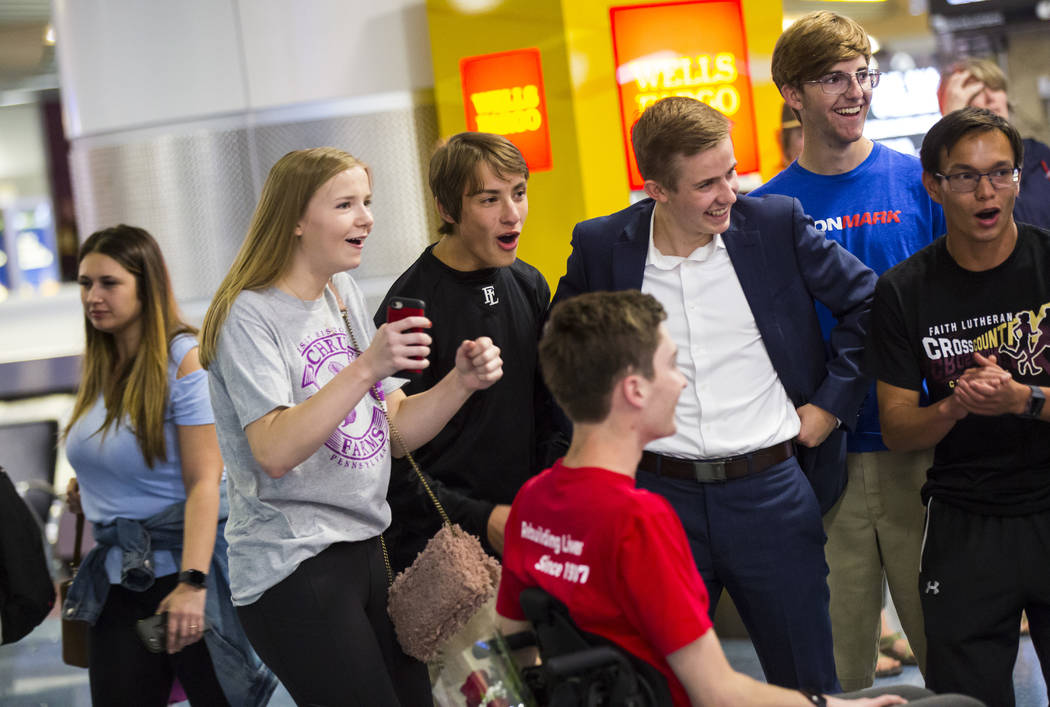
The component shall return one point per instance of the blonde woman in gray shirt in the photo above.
(299, 392)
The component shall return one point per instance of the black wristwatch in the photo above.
(1035, 403)
(194, 578)
(815, 698)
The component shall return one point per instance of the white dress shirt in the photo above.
(734, 402)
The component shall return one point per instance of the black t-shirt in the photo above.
(489, 448)
(928, 318)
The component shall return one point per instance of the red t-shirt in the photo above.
(615, 555)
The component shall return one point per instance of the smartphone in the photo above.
(153, 631)
(398, 308)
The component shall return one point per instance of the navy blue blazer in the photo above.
(784, 264)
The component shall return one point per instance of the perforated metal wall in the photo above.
(195, 187)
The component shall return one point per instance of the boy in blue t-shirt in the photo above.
(871, 200)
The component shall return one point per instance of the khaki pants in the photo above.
(875, 531)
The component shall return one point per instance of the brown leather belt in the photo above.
(712, 470)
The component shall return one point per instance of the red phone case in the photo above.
(398, 308)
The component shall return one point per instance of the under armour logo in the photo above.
(933, 588)
(490, 295)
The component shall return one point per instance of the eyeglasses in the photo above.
(839, 81)
(966, 182)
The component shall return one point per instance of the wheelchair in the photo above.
(580, 669)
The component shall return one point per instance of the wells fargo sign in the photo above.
(503, 93)
(695, 49)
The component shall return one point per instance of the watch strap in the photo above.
(815, 698)
(194, 578)
(1035, 403)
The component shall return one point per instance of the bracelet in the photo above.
(815, 698)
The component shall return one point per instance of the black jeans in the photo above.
(123, 672)
(324, 631)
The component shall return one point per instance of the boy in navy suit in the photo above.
(761, 411)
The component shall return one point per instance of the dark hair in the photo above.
(454, 169)
(593, 340)
(946, 132)
(676, 125)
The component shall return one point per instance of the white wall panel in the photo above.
(130, 63)
(127, 64)
(318, 50)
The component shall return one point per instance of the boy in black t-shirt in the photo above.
(472, 281)
(969, 315)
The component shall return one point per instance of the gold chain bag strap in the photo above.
(447, 583)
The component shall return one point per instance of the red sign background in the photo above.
(690, 48)
(503, 93)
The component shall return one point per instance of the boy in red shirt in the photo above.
(615, 555)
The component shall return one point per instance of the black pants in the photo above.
(325, 633)
(978, 572)
(123, 672)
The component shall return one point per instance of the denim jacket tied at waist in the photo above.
(244, 678)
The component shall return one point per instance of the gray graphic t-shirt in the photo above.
(276, 351)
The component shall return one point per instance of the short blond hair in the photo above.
(984, 70)
(676, 125)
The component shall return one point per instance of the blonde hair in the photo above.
(676, 125)
(137, 387)
(267, 249)
(985, 71)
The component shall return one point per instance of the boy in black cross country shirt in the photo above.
(969, 316)
(472, 281)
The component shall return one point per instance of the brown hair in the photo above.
(946, 132)
(592, 341)
(813, 44)
(676, 125)
(267, 249)
(138, 387)
(454, 169)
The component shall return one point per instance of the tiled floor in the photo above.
(32, 673)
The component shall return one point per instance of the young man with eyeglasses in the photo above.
(968, 317)
(869, 199)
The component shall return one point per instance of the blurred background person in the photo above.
(149, 477)
(982, 84)
(790, 135)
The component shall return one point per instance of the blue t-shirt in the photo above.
(880, 212)
(115, 480)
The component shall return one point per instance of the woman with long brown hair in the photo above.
(149, 477)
